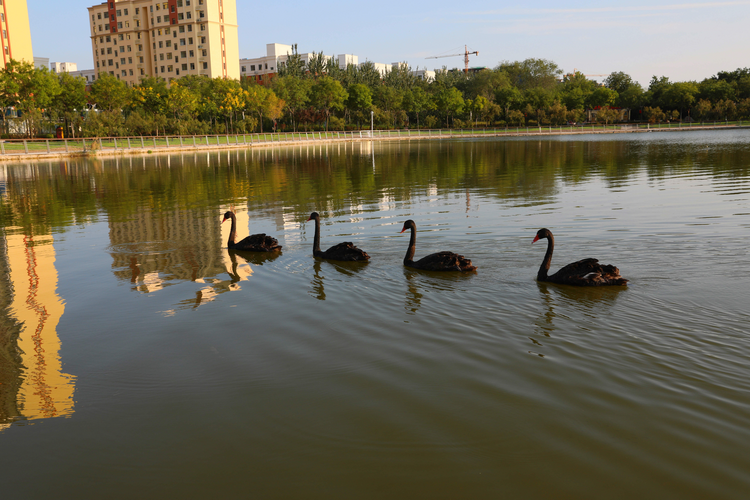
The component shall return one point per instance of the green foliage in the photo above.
(531, 73)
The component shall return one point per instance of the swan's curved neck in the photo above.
(316, 240)
(409, 258)
(542, 274)
(232, 232)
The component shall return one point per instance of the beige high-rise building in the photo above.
(16, 34)
(133, 39)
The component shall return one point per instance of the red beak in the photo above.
(308, 220)
(536, 238)
(404, 229)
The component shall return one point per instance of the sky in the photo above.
(643, 38)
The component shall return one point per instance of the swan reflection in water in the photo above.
(346, 268)
(419, 282)
(561, 301)
(239, 268)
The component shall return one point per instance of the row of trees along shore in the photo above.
(321, 96)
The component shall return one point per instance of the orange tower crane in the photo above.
(465, 54)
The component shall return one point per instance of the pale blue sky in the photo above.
(681, 40)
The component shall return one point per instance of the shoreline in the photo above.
(332, 137)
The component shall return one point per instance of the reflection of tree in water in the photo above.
(565, 298)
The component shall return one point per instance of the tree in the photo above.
(182, 102)
(151, 97)
(71, 101)
(508, 98)
(417, 101)
(295, 93)
(390, 100)
(531, 73)
(293, 66)
(619, 82)
(108, 93)
(600, 97)
(359, 100)
(328, 94)
(449, 101)
(680, 95)
(30, 90)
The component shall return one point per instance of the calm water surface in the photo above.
(139, 358)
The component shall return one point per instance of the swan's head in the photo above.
(542, 234)
(227, 215)
(313, 216)
(408, 225)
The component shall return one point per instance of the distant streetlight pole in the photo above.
(372, 123)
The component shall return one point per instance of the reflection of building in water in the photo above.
(156, 249)
(32, 384)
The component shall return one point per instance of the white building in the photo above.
(88, 74)
(278, 53)
(41, 62)
(63, 67)
(424, 74)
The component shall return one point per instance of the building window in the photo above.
(106, 27)
(183, 54)
(124, 73)
(252, 67)
(161, 44)
(192, 65)
(184, 67)
(192, 54)
(162, 69)
(182, 29)
(169, 55)
(243, 69)
(190, 27)
(182, 41)
(126, 12)
(131, 72)
(122, 61)
(166, 31)
(181, 16)
(119, 25)
(130, 60)
(190, 41)
(161, 57)
(119, 12)
(169, 43)
(137, 10)
(170, 69)
(122, 48)
(158, 19)
(109, 38)
(205, 65)
(109, 50)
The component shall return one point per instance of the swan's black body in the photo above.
(253, 243)
(441, 261)
(586, 272)
(343, 251)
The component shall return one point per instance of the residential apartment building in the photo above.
(133, 39)
(16, 33)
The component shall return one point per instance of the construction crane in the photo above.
(465, 54)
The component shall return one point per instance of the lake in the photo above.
(141, 358)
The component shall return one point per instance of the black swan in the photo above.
(586, 272)
(343, 251)
(441, 261)
(253, 243)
